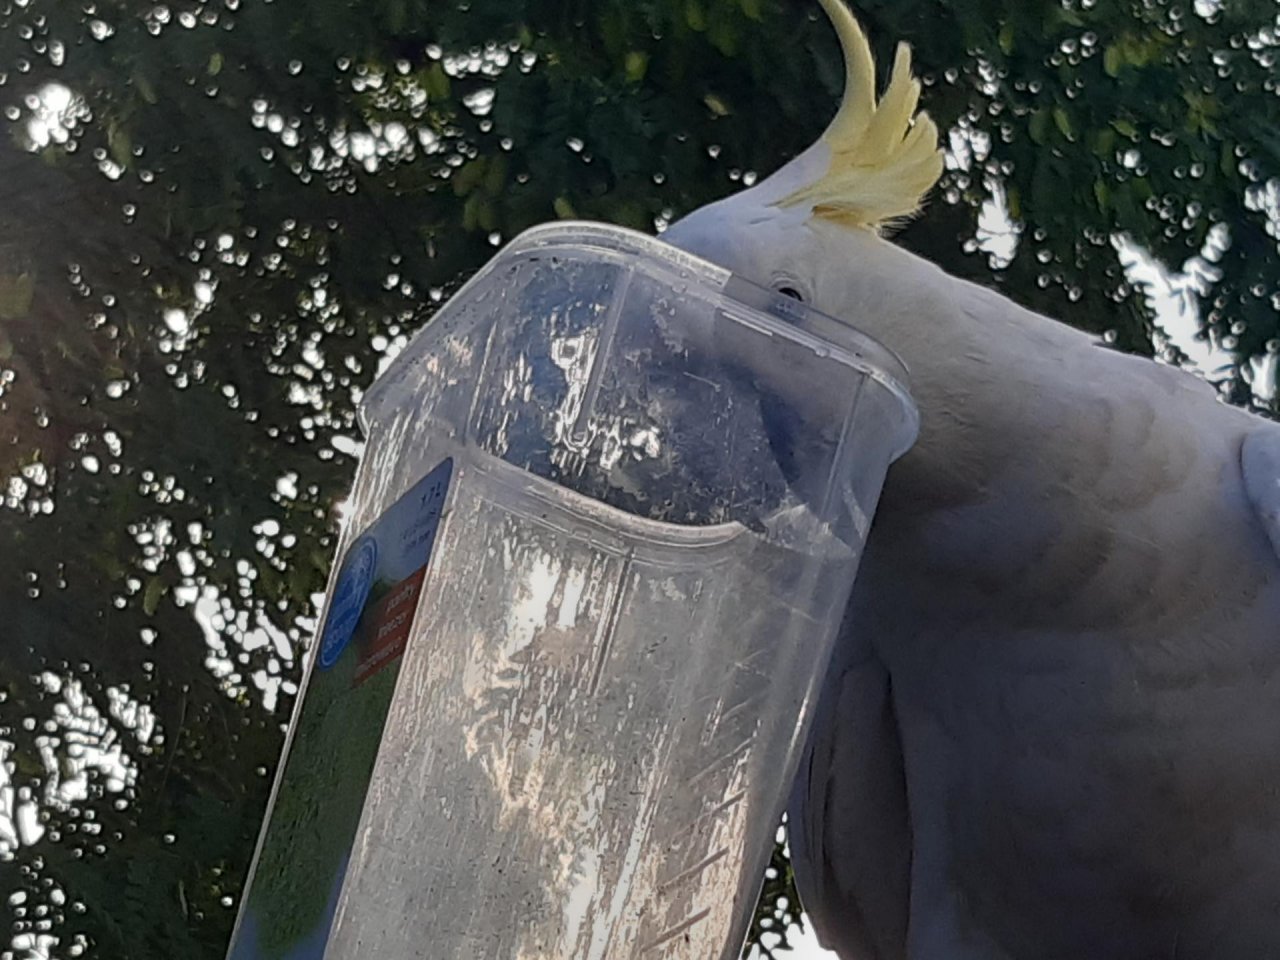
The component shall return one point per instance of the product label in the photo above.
(293, 891)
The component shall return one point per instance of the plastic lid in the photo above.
(651, 380)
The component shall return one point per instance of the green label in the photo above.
(295, 883)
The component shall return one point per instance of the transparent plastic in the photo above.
(661, 480)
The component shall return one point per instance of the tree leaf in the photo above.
(1006, 37)
(636, 66)
(495, 175)
(1063, 122)
(1104, 143)
(717, 106)
(1227, 162)
(145, 90)
(695, 16)
(1112, 61)
(17, 292)
(1038, 128)
(120, 144)
(1125, 128)
(1013, 200)
(437, 82)
(152, 594)
(468, 176)
(723, 35)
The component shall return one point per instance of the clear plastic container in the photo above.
(608, 516)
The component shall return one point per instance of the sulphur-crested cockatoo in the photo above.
(1052, 726)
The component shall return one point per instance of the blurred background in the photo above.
(219, 220)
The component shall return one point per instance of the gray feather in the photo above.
(1061, 663)
(1260, 461)
(854, 770)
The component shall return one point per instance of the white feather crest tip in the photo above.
(885, 156)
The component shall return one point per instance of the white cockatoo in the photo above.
(1051, 730)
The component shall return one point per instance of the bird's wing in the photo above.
(852, 861)
(1260, 460)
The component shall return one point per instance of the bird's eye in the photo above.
(791, 292)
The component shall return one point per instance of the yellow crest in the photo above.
(884, 156)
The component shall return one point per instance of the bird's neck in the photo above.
(972, 357)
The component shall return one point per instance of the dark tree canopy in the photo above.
(217, 219)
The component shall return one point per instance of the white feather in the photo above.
(1052, 728)
(1070, 587)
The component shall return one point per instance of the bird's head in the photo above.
(806, 229)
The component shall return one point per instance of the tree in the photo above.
(217, 219)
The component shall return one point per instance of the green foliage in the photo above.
(318, 805)
(207, 249)
(778, 910)
(1112, 120)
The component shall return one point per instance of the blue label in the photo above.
(349, 598)
(299, 869)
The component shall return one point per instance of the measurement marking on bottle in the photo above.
(723, 759)
(737, 708)
(753, 656)
(608, 625)
(696, 825)
(693, 871)
(673, 932)
(746, 665)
